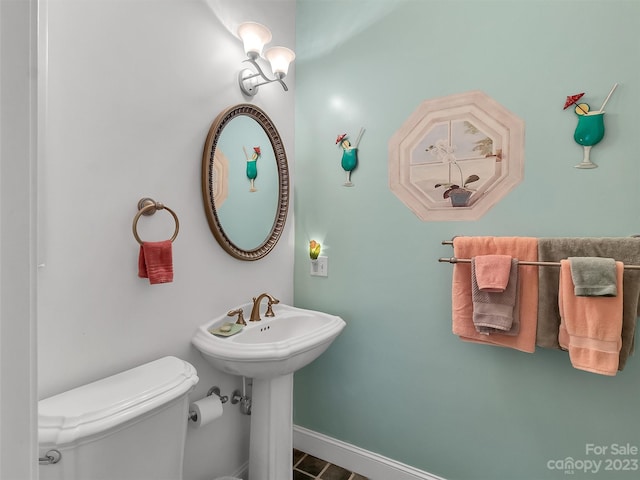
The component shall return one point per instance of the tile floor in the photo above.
(307, 467)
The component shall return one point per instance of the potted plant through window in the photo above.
(459, 195)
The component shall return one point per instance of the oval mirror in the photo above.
(245, 182)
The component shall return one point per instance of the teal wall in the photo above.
(397, 381)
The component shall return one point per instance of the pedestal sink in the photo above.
(269, 352)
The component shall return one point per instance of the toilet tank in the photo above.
(130, 426)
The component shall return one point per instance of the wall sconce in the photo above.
(254, 37)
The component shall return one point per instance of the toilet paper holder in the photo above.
(215, 390)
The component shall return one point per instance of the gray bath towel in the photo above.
(626, 250)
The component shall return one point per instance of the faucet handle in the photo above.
(238, 312)
(271, 301)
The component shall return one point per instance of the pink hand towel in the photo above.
(492, 272)
(155, 262)
(590, 327)
(523, 248)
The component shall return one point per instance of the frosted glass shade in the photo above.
(254, 36)
(280, 58)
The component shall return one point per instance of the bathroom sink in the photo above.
(272, 347)
(269, 351)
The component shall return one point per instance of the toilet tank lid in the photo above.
(104, 404)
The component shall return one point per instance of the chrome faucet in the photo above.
(255, 311)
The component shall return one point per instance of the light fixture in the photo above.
(254, 37)
(314, 249)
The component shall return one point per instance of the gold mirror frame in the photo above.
(208, 189)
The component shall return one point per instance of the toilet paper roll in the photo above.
(206, 410)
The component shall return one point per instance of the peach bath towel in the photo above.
(590, 327)
(523, 248)
(155, 262)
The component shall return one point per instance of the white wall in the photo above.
(18, 124)
(132, 88)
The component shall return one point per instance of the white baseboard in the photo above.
(364, 462)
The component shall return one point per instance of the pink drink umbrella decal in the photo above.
(572, 99)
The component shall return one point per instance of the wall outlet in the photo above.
(319, 267)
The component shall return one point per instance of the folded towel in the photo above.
(155, 262)
(624, 249)
(523, 248)
(493, 311)
(590, 327)
(593, 276)
(492, 272)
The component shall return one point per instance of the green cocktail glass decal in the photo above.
(252, 167)
(349, 155)
(590, 129)
(589, 132)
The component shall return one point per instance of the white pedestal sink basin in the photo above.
(269, 351)
(271, 347)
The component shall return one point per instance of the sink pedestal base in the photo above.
(271, 442)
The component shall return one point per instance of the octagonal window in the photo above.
(456, 156)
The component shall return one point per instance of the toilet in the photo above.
(130, 426)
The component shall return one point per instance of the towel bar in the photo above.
(536, 264)
(148, 206)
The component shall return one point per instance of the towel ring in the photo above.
(148, 206)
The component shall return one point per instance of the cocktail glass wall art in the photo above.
(590, 128)
(349, 160)
(252, 166)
